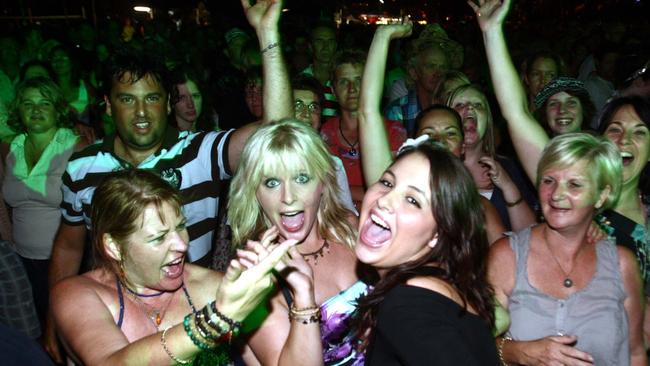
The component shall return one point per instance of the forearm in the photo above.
(528, 137)
(65, 260)
(373, 137)
(519, 212)
(276, 89)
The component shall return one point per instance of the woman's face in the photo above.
(396, 223)
(564, 113)
(540, 73)
(569, 196)
(443, 127)
(155, 254)
(37, 112)
(290, 199)
(190, 102)
(253, 94)
(632, 137)
(472, 107)
(60, 62)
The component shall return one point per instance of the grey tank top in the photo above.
(594, 314)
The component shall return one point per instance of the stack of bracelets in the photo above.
(209, 329)
(306, 315)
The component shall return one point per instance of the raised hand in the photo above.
(264, 14)
(397, 30)
(498, 176)
(490, 13)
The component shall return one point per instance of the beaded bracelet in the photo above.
(500, 350)
(186, 325)
(169, 352)
(305, 315)
(235, 326)
(199, 324)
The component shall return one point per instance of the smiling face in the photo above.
(442, 126)
(155, 253)
(471, 104)
(564, 113)
(37, 112)
(290, 199)
(139, 111)
(569, 196)
(396, 223)
(632, 137)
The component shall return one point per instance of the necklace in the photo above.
(352, 151)
(317, 253)
(568, 282)
(155, 315)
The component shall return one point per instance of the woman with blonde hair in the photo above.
(285, 188)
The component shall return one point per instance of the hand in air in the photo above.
(490, 14)
(402, 29)
(262, 14)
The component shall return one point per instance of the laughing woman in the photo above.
(285, 188)
(424, 233)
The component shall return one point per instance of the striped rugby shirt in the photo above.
(195, 163)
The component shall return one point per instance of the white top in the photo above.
(35, 196)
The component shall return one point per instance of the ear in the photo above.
(603, 196)
(433, 242)
(111, 248)
(108, 105)
(412, 72)
(169, 105)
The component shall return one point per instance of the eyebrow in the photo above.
(388, 171)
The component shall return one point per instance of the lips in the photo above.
(375, 231)
(564, 121)
(292, 221)
(628, 158)
(174, 269)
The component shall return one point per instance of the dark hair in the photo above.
(462, 248)
(353, 56)
(130, 65)
(440, 107)
(310, 83)
(588, 108)
(530, 60)
(181, 75)
(118, 202)
(641, 107)
(75, 70)
(33, 63)
(49, 90)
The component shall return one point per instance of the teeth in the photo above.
(289, 214)
(379, 222)
(625, 154)
(174, 262)
(142, 125)
(564, 121)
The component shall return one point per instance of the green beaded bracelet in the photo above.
(197, 342)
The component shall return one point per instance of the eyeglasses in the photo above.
(300, 106)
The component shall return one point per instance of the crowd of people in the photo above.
(324, 198)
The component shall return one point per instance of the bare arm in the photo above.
(373, 138)
(276, 89)
(528, 137)
(493, 224)
(634, 306)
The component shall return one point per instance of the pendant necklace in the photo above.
(154, 315)
(568, 282)
(317, 253)
(352, 151)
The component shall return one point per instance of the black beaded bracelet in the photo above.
(234, 326)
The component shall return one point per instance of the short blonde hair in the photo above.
(286, 145)
(603, 161)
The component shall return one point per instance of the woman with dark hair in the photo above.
(78, 92)
(564, 106)
(537, 70)
(187, 102)
(143, 304)
(35, 161)
(422, 228)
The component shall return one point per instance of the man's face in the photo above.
(542, 70)
(347, 83)
(307, 107)
(429, 67)
(139, 111)
(323, 44)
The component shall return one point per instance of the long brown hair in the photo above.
(461, 252)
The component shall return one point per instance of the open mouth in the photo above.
(564, 121)
(628, 158)
(375, 231)
(292, 221)
(143, 125)
(174, 269)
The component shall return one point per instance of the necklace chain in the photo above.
(320, 252)
(154, 315)
(352, 151)
(568, 282)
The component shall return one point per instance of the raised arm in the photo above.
(264, 16)
(373, 138)
(528, 137)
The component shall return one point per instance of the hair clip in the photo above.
(411, 143)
